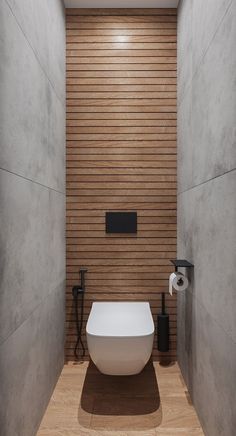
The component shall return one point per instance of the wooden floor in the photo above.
(155, 402)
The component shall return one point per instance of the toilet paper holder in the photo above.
(181, 263)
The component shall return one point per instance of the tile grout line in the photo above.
(36, 56)
(206, 181)
(32, 181)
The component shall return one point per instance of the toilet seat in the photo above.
(120, 319)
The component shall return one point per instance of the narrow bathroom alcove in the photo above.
(117, 167)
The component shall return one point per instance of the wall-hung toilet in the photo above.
(120, 336)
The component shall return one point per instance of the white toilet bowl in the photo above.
(120, 336)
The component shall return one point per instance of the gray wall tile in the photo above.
(32, 118)
(184, 47)
(207, 17)
(185, 163)
(207, 360)
(214, 105)
(207, 212)
(43, 24)
(32, 214)
(30, 362)
(32, 247)
(207, 235)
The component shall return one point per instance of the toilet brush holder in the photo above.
(163, 328)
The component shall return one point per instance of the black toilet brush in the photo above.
(163, 328)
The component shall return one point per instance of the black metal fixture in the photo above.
(163, 327)
(79, 290)
(121, 222)
(181, 263)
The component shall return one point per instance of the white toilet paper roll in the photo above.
(177, 281)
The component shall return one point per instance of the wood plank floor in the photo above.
(153, 403)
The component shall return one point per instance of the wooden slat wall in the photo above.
(121, 155)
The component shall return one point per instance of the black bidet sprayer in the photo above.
(76, 291)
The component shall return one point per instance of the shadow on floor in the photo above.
(120, 402)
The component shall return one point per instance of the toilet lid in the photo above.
(120, 319)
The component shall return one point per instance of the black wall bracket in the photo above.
(181, 263)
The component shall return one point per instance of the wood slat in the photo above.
(122, 19)
(143, 213)
(120, 11)
(121, 155)
(120, 129)
(121, 137)
(132, 163)
(160, 30)
(87, 83)
(126, 147)
(118, 172)
(142, 73)
(98, 222)
(103, 258)
(118, 39)
(131, 206)
(120, 123)
(145, 47)
(120, 88)
(131, 112)
(120, 185)
(121, 57)
(146, 27)
(122, 67)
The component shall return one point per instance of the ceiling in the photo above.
(121, 3)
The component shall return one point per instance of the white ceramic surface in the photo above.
(120, 336)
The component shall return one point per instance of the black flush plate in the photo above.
(178, 263)
(121, 222)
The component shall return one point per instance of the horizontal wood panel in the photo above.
(76, 45)
(120, 11)
(143, 153)
(144, 214)
(119, 112)
(120, 123)
(96, 39)
(127, 26)
(125, 146)
(83, 82)
(156, 246)
(119, 88)
(133, 270)
(144, 223)
(121, 155)
(120, 129)
(142, 180)
(152, 104)
(124, 19)
(122, 58)
(137, 64)
(143, 73)
(105, 55)
(115, 152)
(160, 30)
(121, 185)
(118, 160)
(121, 137)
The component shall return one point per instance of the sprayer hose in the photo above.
(79, 326)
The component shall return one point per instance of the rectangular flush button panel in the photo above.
(121, 222)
